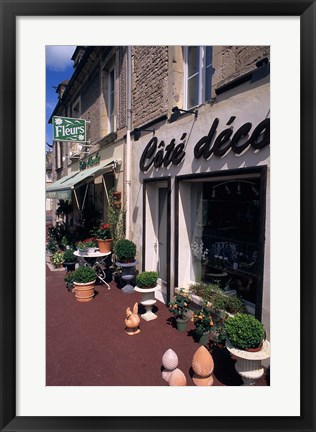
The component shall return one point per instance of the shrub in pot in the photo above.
(147, 279)
(84, 279)
(244, 332)
(203, 322)
(125, 250)
(69, 259)
(69, 279)
(179, 308)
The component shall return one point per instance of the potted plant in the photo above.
(147, 279)
(58, 259)
(104, 238)
(69, 279)
(179, 308)
(245, 332)
(125, 250)
(84, 279)
(69, 260)
(203, 323)
(90, 245)
(147, 285)
(82, 248)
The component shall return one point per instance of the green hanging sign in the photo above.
(69, 129)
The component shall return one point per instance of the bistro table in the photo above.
(95, 260)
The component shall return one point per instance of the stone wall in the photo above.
(230, 62)
(150, 83)
(90, 103)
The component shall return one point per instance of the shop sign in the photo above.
(159, 155)
(92, 161)
(69, 129)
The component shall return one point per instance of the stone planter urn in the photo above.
(147, 300)
(248, 364)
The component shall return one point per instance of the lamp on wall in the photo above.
(138, 132)
(176, 113)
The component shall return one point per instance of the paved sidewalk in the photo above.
(86, 344)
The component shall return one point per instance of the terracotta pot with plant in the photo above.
(245, 332)
(84, 280)
(125, 251)
(179, 308)
(203, 323)
(104, 238)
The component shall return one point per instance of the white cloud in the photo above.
(58, 57)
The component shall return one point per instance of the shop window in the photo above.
(224, 226)
(198, 74)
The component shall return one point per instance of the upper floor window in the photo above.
(198, 74)
(111, 99)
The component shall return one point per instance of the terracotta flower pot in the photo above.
(84, 292)
(105, 245)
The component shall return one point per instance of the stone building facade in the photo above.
(202, 114)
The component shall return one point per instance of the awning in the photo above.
(62, 188)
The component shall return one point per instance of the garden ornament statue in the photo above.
(132, 321)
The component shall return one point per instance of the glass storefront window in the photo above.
(224, 233)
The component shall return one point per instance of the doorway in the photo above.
(156, 233)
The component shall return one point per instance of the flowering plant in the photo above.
(103, 232)
(180, 304)
(203, 320)
(57, 258)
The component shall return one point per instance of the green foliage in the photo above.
(180, 304)
(244, 331)
(116, 218)
(90, 243)
(81, 246)
(69, 277)
(203, 320)
(204, 290)
(147, 279)
(69, 256)
(84, 275)
(229, 303)
(52, 245)
(125, 249)
(57, 258)
(103, 232)
(219, 299)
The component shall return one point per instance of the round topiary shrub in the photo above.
(125, 250)
(147, 279)
(69, 256)
(84, 275)
(244, 331)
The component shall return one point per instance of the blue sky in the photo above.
(59, 67)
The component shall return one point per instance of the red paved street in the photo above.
(86, 344)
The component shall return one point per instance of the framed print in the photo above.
(33, 396)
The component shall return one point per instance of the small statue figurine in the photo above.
(132, 321)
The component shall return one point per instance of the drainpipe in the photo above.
(128, 143)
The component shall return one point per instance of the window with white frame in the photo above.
(111, 99)
(198, 74)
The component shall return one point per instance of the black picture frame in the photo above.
(9, 10)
